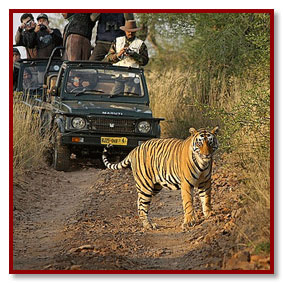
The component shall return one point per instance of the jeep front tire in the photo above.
(61, 155)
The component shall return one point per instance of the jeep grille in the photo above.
(110, 125)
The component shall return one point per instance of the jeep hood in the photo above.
(106, 108)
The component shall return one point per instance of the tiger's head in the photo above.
(204, 142)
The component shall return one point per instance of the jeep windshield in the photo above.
(33, 75)
(103, 82)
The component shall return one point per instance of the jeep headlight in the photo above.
(78, 123)
(144, 127)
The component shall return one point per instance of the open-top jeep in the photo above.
(88, 105)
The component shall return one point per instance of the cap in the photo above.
(40, 16)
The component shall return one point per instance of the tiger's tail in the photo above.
(115, 166)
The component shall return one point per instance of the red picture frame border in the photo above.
(11, 35)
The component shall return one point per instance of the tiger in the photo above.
(174, 164)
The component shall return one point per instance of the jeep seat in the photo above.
(51, 81)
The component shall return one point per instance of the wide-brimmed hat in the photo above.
(42, 16)
(130, 26)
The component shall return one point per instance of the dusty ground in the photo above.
(86, 219)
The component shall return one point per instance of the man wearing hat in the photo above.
(46, 38)
(16, 55)
(128, 50)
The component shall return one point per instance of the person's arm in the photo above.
(29, 38)
(94, 16)
(112, 56)
(18, 36)
(142, 57)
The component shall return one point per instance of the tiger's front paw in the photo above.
(207, 213)
(149, 226)
(188, 224)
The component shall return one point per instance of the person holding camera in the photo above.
(46, 38)
(25, 35)
(128, 50)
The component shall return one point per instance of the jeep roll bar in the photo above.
(50, 60)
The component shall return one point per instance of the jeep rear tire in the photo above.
(61, 155)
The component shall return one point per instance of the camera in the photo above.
(42, 27)
(29, 23)
(129, 51)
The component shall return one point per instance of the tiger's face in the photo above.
(204, 142)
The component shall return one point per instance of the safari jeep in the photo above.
(88, 105)
(29, 76)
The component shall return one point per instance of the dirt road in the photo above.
(86, 219)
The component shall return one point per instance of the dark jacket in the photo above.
(109, 26)
(79, 23)
(45, 42)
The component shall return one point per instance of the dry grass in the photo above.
(172, 96)
(28, 144)
(252, 166)
(178, 96)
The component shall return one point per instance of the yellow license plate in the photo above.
(114, 141)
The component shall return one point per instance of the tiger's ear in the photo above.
(215, 130)
(192, 131)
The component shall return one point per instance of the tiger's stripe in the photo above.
(174, 164)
